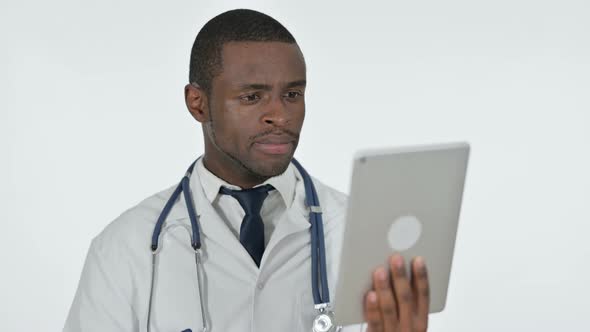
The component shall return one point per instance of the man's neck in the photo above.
(232, 172)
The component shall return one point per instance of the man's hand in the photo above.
(398, 304)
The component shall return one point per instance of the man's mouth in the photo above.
(274, 144)
(273, 148)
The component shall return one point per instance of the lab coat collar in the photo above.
(214, 229)
(283, 183)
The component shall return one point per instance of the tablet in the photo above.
(403, 200)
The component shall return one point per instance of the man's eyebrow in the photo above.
(254, 86)
(296, 83)
(267, 87)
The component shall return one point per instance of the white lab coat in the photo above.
(113, 293)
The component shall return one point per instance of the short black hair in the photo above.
(233, 25)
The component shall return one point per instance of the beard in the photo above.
(260, 170)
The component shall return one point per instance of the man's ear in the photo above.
(196, 102)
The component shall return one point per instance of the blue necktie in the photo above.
(252, 228)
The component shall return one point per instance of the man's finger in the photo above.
(421, 292)
(403, 292)
(387, 305)
(372, 313)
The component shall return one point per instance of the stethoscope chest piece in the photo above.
(324, 321)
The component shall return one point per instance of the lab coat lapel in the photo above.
(294, 221)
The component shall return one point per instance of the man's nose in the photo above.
(276, 112)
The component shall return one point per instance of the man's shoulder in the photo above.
(134, 226)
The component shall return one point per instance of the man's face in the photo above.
(257, 106)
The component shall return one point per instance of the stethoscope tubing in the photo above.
(318, 249)
(319, 278)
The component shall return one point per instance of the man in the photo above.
(247, 86)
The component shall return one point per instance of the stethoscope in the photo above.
(324, 320)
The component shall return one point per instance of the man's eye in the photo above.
(293, 94)
(250, 98)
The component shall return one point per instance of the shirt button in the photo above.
(260, 285)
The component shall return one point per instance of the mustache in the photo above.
(286, 132)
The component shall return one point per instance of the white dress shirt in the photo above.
(113, 293)
(230, 210)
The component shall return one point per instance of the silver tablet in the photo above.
(403, 200)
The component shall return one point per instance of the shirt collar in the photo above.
(283, 183)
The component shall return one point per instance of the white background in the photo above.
(92, 120)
